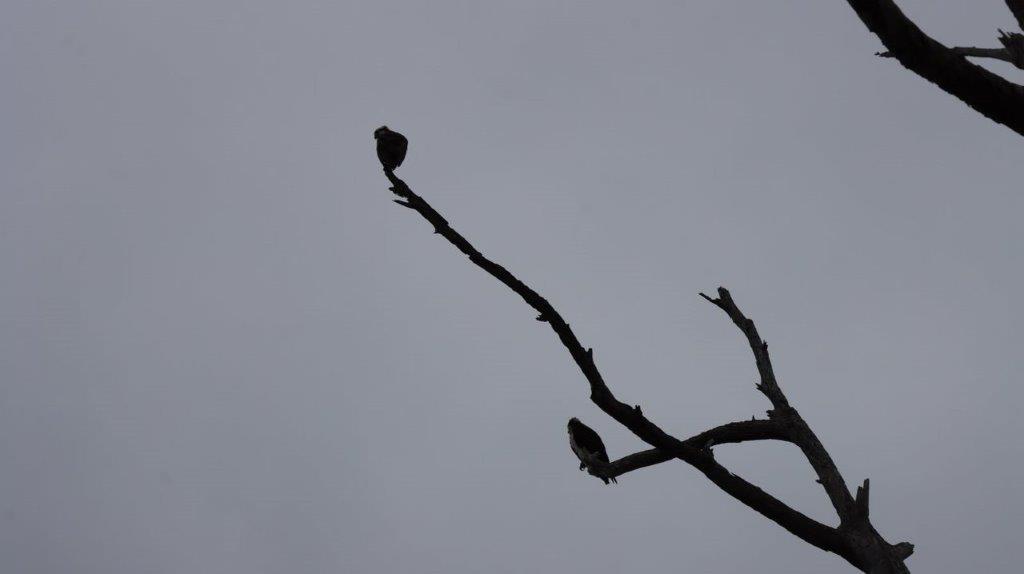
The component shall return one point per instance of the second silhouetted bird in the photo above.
(391, 147)
(587, 446)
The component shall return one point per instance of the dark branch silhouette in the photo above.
(729, 433)
(993, 96)
(1017, 7)
(855, 539)
(1011, 51)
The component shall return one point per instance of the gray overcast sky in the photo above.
(224, 350)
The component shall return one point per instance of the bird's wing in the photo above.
(395, 146)
(395, 140)
(591, 441)
(401, 144)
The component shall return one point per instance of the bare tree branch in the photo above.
(806, 528)
(730, 433)
(855, 539)
(994, 53)
(993, 96)
(800, 433)
(1017, 7)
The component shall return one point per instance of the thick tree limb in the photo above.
(1017, 7)
(996, 98)
(855, 539)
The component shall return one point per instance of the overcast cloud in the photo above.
(224, 350)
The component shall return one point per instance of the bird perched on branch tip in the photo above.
(391, 147)
(588, 447)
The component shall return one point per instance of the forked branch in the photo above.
(800, 433)
(854, 539)
(993, 96)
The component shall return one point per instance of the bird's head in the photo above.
(574, 422)
(380, 131)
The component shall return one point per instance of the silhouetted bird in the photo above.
(391, 147)
(587, 445)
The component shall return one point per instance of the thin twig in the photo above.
(994, 53)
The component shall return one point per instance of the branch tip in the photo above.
(861, 501)
(903, 550)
